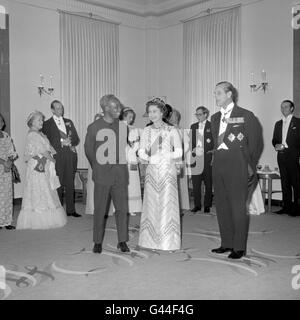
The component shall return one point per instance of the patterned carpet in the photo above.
(59, 264)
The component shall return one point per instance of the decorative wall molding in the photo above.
(166, 14)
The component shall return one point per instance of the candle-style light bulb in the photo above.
(252, 78)
(263, 76)
(41, 80)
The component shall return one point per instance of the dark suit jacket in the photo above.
(292, 137)
(208, 141)
(108, 140)
(52, 132)
(248, 135)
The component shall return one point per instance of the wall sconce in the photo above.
(263, 85)
(41, 87)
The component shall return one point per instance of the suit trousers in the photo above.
(288, 162)
(230, 179)
(206, 177)
(66, 166)
(102, 197)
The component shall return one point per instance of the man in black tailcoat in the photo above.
(238, 144)
(63, 137)
(201, 166)
(286, 141)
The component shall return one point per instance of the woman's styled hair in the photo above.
(169, 111)
(159, 103)
(1, 116)
(32, 116)
(124, 112)
(175, 117)
(227, 86)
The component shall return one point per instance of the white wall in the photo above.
(151, 60)
(267, 43)
(35, 50)
(132, 70)
(171, 66)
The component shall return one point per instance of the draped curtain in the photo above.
(211, 54)
(89, 69)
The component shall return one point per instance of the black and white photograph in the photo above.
(150, 153)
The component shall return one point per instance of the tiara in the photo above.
(158, 100)
(126, 109)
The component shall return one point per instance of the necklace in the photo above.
(158, 126)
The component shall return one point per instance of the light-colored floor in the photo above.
(59, 264)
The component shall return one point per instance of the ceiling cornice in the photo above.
(144, 10)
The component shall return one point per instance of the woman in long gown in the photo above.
(7, 155)
(184, 200)
(160, 147)
(134, 187)
(41, 207)
(256, 206)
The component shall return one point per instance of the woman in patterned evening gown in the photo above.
(41, 207)
(160, 147)
(7, 155)
(133, 142)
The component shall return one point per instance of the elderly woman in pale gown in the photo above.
(160, 147)
(41, 208)
(7, 156)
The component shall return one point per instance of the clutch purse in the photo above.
(15, 174)
(40, 166)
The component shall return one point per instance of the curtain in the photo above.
(89, 69)
(211, 54)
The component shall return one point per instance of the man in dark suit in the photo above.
(238, 144)
(201, 169)
(286, 141)
(104, 145)
(63, 137)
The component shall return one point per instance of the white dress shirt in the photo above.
(60, 123)
(201, 133)
(285, 127)
(225, 114)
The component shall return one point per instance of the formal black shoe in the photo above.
(74, 214)
(195, 209)
(281, 211)
(221, 250)
(123, 247)
(294, 214)
(206, 209)
(97, 248)
(10, 227)
(237, 254)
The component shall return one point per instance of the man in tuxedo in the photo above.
(286, 141)
(201, 169)
(238, 144)
(105, 145)
(63, 137)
